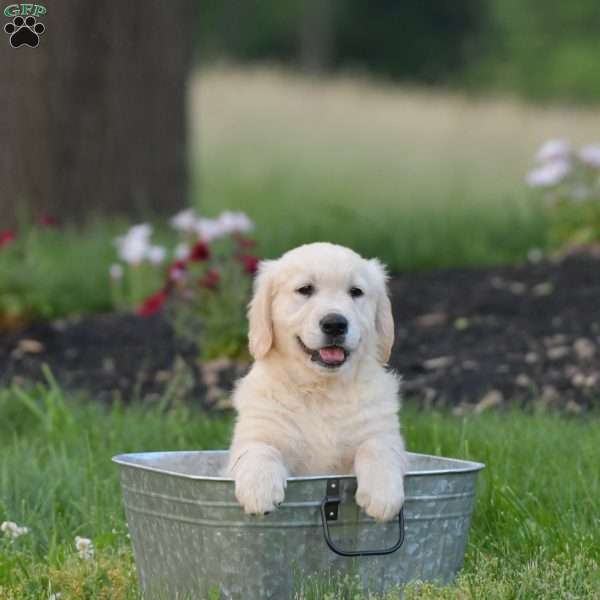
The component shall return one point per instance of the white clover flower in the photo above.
(549, 175)
(182, 251)
(12, 530)
(133, 246)
(209, 229)
(116, 271)
(590, 155)
(84, 547)
(185, 220)
(554, 150)
(235, 222)
(156, 254)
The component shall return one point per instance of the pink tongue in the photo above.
(331, 354)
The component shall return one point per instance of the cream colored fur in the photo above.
(296, 417)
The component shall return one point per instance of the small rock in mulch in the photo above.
(523, 380)
(435, 319)
(557, 352)
(492, 399)
(584, 348)
(28, 346)
(439, 362)
(543, 289)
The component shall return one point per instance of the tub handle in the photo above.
(329, 512)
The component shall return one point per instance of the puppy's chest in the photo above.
(328, 443)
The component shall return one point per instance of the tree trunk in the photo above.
(317, 35)
(92, 120)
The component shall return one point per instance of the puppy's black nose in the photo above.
(334, 324)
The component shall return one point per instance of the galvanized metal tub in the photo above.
(191, 539)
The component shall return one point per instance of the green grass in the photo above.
(534, 534)
(421, 180)
(58, 271)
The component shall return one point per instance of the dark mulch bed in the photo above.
(468, 338)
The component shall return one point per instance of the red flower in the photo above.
(7, 236)
(210, 280)
(199, 251)
(152, 304)
(250, 263)
(48, 220)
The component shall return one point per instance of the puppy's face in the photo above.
(321, 305)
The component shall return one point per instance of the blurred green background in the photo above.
(402, 129)
(539, 49)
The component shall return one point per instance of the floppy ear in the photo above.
(260, 334)
(384, 321)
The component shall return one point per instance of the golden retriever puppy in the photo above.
(318, 399)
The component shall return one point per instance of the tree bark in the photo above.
(92, 120)
(317, 35)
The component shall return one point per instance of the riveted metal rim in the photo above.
(456, 465)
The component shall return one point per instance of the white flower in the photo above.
(84, 547)
(156, 254)
(590, 155)
(552, 150)
(132, 249)
(235, 222)
(12, 530)
(549, 174)
(182, 251)
(209, 229)
(143, 230)
(133, 246)
(185, 220)
(55, 596)
(116, 271)
(226, 223)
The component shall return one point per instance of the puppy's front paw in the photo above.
(261, 488)
(379, 496)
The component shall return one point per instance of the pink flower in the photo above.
(7, 236)
(199, 251)
(552, 150)
(152, 304)
(48, 220)
(210, 279)
(250, 263)
(177, 270)
(548, 175)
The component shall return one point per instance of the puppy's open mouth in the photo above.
(327, 356)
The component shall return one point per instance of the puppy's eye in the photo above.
(306, 290)
(356, 292)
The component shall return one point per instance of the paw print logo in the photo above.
(24, 31)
